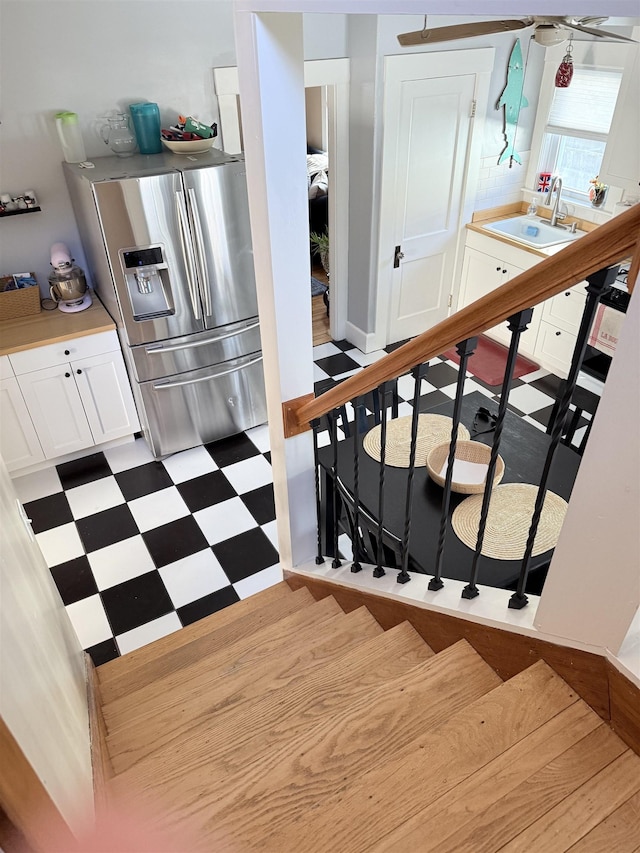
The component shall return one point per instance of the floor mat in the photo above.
(489, 361)
(317, 287)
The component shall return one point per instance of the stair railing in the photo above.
(592, 257)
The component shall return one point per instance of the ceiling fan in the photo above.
(548, 30)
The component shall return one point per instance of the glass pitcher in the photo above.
(117, 134)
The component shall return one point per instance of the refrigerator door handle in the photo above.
(203, 272)
(209, 376)
(160, 348)
(183, 230)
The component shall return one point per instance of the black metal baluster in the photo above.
(334, 415)
(464, 349)
(357, 421)
(597, 283)
(378, 572)
(418, 374)
(517, 325)
(315, 426)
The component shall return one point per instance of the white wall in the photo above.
(43, 698)
(92, 57)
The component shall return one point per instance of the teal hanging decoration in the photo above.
(512, 100)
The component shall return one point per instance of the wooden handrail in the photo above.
(604, 246)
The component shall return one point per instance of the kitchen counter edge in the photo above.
(50, 327)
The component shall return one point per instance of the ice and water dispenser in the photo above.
(147, 277)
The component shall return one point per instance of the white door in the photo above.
(430, 103)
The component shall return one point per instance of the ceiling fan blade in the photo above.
(461, 31)
(596, 32)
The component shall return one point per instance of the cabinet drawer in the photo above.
(6, 371)
(51, 355)
(554, 347)
(565, 310)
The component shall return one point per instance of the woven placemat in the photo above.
(509, 520)
(432, 430)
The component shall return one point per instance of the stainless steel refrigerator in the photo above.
(168, 246)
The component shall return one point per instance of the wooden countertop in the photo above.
(50, 327)
(494, 214)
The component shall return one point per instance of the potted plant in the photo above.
(320, 244)
(598, 192)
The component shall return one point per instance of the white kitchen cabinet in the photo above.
(482, 273)
(56, 409)
(565, 310)
(76, 393)
(19, 443)
(106, 396)
(621, 161)
(554, 348)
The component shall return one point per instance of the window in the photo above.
(575, 134)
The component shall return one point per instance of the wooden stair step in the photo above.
(493, 805)
(583, 809)
(432, 761)
(228, 741)
(128, 674)
(199, 689)
(327, 757)
(113, 669)
(620, 831)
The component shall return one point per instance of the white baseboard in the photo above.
(365, 341)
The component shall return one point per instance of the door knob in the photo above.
(398, 255)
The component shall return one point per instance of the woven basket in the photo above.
(18, 303)
(466, 451)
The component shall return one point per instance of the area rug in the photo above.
(318, 288)
(489, 360)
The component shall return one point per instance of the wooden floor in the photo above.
(284, 724)
(319, 316)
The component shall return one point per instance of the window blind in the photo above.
(587, 105)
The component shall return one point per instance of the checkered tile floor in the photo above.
(140, 548)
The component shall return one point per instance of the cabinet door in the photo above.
(56, 410)
(19, 443)
(106, 395)
(480, 275)
(566, 309)
(555, 348)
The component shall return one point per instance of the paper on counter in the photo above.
(471, 473)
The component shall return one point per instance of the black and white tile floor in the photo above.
(140, 548)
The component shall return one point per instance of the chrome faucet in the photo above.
(556, 216)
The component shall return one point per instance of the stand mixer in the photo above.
(67, 284)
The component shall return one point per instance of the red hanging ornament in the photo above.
(565, 69)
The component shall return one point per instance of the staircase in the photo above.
(284, 724)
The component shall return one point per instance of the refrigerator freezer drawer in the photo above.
(204, 405)
(192, 352)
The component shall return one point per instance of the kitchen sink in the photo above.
(533, 232)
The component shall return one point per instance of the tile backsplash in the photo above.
(500, 184)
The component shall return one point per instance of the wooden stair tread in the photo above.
(328, 756)
(582, 810)
(114, 669)
(237, 735)
(493, 805)
(179, 692)
(315, 645)
(431, 762)
(218, 636)
(620, 831)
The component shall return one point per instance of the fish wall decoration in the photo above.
(512, 100)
